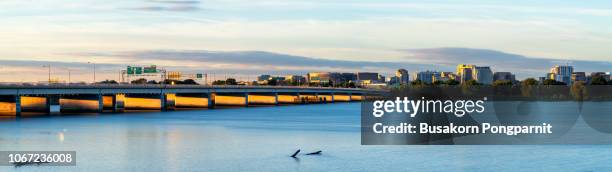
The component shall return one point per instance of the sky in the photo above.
(224, 37)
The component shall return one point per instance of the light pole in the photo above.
(49, 73)
(94, 71)
(69, 76)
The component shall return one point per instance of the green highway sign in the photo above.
(130, 70)
(138, 70)
(150, 69)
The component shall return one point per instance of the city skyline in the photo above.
(219, 36)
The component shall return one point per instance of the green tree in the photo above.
(452, 82)
(417, 82)
(552, 82)
(152, 82)
(109, 82)
(272, 82)
(139, 81)
(438, 82)
(189, 82)
(529, 81)
(502, 83)
(218, 82)
(598, 80)
(471, 83)
(231, 81)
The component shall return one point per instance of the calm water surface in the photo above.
(261, 139)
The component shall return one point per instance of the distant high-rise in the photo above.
(465, 72)
(483, 74)
(402, 76)
(426, 76)
(562, 73)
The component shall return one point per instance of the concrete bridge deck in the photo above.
(54, 99)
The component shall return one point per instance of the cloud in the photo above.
(170, 5)
(167, 8)
(252, 63)
(267, 61)
(439, 59)
(523, 66)
(175, 1)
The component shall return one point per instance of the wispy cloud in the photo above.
(175, 1)
(169, 5)
(500, 61)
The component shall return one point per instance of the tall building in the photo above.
(402, 76)
(365, 78)
(465, 72)
(426, 76)
(507, 76)
(562, 73)
(483, 74)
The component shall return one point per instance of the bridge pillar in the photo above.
(246, 99)
(17, 105)
(53, 104)
(275, 98)
(118, 102)
(100, 103)
(350, 97)
(211, 100)
(168, 101)
(300, 99)
(332, 97)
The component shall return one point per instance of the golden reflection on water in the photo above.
(191, 102)
(33, 103)
(288, 99)
(262, 99)
(107, 101)
(39, 103)
(229, 100)
(76, 104)
(7, 107)
(142, 103)
(341, 98)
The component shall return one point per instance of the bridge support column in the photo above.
(17, 105)
(300, 99)
(332, 97)
(211, 100)
(276, 98)
(118, 102)
(167, 102)
(318, 99)
(100, 103)
(53, 104)
(350, 97)
(246, 99)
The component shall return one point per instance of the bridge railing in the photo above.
(166, 86)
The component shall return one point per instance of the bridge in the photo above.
(55, 99)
